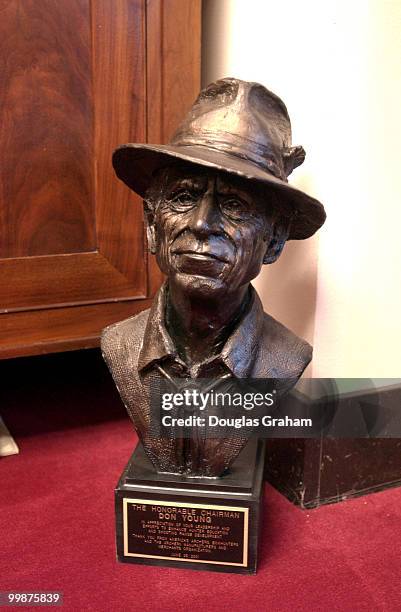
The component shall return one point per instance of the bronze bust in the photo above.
(218, 206)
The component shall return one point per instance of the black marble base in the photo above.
(195, 523)
(326, 470)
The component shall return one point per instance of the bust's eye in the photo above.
(234, 207)
(184, 198)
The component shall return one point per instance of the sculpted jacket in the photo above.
(140, 353)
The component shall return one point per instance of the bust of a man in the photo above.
(218, 207)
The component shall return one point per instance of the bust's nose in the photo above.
(206, 216)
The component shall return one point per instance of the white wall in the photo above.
(337, 67)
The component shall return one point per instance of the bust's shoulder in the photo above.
(281, 352)
(126, 335)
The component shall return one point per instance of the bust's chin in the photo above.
(196, 285)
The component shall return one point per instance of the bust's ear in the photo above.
(150, 227)
(277, 242)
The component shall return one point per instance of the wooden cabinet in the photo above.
(78, 78)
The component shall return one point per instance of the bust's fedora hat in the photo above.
(237, 127)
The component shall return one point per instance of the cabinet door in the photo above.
(78, 78)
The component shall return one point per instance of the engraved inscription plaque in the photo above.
(188, 532)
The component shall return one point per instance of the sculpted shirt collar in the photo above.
(238, 353)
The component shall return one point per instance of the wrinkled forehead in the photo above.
(198, 178)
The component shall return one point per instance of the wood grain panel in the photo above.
(173, 75)
(61, 329)
(117, 266)
(45, 282)
(119, 77)
(46, 128)
(173, 51)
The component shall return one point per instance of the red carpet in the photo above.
(57, 516)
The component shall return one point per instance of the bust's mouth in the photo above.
(200, 255)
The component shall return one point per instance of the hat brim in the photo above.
(135, 164)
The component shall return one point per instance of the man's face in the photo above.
(212, 230)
